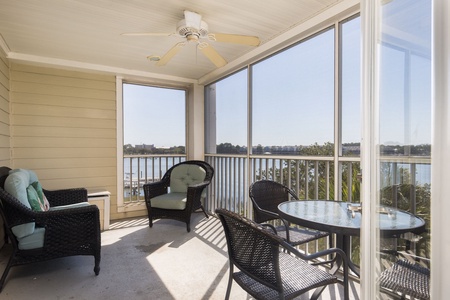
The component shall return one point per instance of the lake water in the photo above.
(135, 169)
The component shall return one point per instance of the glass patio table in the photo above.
(337, 217)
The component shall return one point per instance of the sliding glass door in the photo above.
(396, 159)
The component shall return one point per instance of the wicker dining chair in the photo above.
(269, 267)
(407, 279)
(70, 227)
(266, 195)
(179, 193)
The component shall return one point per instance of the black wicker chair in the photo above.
(270, 268)
(158, 197)
(68, 232)
(266, 195)
(407, 279)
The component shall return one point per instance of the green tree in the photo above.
(128, 149)
(326, 150)
(259, 149)
(227, 148)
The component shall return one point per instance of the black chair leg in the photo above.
(230, 282)
(97, 265)
(204, 211)
(5, 273)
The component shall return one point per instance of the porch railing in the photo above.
(405, 182)
(310, 177)
(140, 169)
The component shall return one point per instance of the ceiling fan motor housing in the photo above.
(191, 32)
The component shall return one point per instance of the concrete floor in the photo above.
(138, 262)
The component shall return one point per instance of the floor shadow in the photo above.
(164, 262)
(138, 262)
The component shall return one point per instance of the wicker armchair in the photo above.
(266, 195)
(408, 279)
(187, 182)
(65, 232)
(270, 268)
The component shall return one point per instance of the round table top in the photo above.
(335, 216)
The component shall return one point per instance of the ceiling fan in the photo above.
(194, 29)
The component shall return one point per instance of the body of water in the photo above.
(137, 171)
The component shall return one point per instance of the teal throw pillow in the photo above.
(33, 199)
(44, 202)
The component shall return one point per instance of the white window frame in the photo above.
(440, 171)
(123, 207)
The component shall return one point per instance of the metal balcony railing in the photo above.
(310, 177)
(405, 183)
(140, 169)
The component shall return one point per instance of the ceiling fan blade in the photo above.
(212, 54)
(171, 53)
(146, 34)
(235, 39)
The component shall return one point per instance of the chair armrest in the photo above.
(271, 214)
(327, 252)
(19, 216)
(42, 218)
(66, 196)
(194, 195)
(340, 258)
(13, 211)
(72, 225)
(154, 189)
(276, 216)
(269, 226)
(200, 185)
(342, 261)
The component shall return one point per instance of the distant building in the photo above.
(144, 146)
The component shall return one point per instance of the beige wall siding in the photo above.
(63, 126)
(4, 111)
(5, 154)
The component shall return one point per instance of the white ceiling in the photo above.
(89, 31)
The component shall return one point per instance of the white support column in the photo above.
(195, 122)
(210, 119)
(370, 23)
(440, 171)
(119, 126)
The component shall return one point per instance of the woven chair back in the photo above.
(267, 195)
(253, 249)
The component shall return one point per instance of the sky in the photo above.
(154, 116)
(293, 91)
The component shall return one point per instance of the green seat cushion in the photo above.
(184, 175)
(16, 184)
(175, 201)
(32, 241)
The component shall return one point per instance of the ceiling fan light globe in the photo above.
(192, 37)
